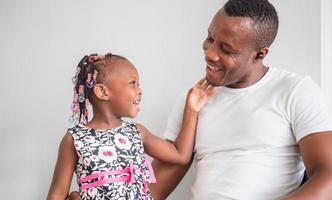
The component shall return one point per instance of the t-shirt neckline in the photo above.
(252, 87)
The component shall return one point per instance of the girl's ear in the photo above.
(102, 92)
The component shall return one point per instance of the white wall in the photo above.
(326, 48)
(297, 46)
(42, 41)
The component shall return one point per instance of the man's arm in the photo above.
(316, 150)
(168, 177)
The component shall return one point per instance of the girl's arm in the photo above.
(63, 173)
(181, 150)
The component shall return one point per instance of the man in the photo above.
(263, 123)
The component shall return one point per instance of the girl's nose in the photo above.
(140, 91)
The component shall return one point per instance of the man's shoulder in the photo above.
(286, 79)
(285, 75)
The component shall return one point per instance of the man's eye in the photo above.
(226, 51)
(133, 82)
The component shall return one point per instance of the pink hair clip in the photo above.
(94, 76)
(91, 79)
(74, 79)
(88, 79)
(81, 96)
(95, 58)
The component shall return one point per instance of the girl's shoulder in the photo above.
(78, 131)
(75, 128)
(129, 125)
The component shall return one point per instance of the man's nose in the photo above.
(211, 54)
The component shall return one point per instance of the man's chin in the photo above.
(214, 83)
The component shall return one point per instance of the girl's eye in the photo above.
(209, 38)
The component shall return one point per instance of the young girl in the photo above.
(107, 153)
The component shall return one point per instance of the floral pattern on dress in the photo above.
(107, 150)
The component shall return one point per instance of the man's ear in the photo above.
(260, 55)
(102, 92)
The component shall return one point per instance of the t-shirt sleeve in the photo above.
(309, 110)
(175, 119)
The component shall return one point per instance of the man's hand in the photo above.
(74, 195)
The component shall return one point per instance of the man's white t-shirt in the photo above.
(247, 139)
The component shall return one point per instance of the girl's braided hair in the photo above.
(90, 70)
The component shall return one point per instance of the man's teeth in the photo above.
(136, 102)
(214, 68)
(211, 67)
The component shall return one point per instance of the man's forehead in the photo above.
(236, 32)
(222, 21)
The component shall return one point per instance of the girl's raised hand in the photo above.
(199, 95)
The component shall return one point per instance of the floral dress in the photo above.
(111, 163)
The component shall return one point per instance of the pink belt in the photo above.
(128, 172)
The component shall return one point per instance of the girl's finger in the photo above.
(200, 82)
(204, 85)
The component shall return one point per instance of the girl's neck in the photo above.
(103, 122)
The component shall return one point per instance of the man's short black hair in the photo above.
(264, 15)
